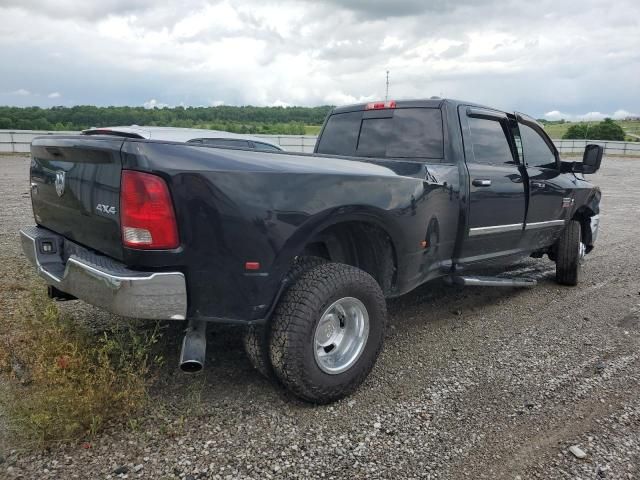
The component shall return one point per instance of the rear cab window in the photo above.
(402, 133)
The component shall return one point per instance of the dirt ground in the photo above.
(472, 383)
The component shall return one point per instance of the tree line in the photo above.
(605, 130)
(245, 119)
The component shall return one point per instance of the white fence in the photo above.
(610, 147)
(18, 141)
(293, 143)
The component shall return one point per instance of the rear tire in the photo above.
(569, 254)
(256, 337)
(256, 344)
(329, 303)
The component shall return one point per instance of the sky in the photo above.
(572, 59)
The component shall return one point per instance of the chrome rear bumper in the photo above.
(104, 282)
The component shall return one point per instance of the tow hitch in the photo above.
(59, 295)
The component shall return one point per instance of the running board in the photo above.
(479, 281)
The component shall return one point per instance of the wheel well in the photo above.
(583, 215)
(360, 244)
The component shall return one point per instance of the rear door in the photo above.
(75, 189)
(497, 200)
(549, 196)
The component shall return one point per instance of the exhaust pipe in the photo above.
(194, 347)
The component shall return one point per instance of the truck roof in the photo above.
(433, 102)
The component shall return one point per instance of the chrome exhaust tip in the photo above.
(194, 347)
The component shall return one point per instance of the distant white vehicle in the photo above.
(213, 138)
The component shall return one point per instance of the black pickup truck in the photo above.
(303, 249)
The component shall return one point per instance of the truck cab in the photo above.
(513, 193)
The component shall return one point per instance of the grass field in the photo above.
(312, 129)
(557, 130)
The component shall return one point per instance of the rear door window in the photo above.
(394, 133)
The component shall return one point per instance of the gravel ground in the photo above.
(473, 383)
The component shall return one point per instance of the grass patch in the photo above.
(312, 129)
(66, 383)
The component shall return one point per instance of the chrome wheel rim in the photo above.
(582, 248)
(341, 335)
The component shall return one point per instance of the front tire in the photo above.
(569, 253)
(327, 332)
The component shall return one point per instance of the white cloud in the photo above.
(280, 103)
(391, 42)
(589, 116)
(153, 103)
(341, 98)
(21, 92)
(54, 95)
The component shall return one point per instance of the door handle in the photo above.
(538, 184)
(481, 182)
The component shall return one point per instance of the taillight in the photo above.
(380, 105)
(146, 212)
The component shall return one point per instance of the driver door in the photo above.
(550, 198)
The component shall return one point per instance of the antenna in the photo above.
(386, 95)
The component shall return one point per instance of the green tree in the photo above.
(605, 130)
(576, 131)
(609, 130)
(246, 119)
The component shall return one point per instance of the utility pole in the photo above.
(386, 95)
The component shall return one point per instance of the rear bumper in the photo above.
(103, 282)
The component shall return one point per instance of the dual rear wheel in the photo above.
(325, 334)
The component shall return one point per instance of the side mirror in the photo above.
(592, 158)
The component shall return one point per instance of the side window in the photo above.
(536, 151)
(489, 141)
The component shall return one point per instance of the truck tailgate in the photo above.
(75, 189)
